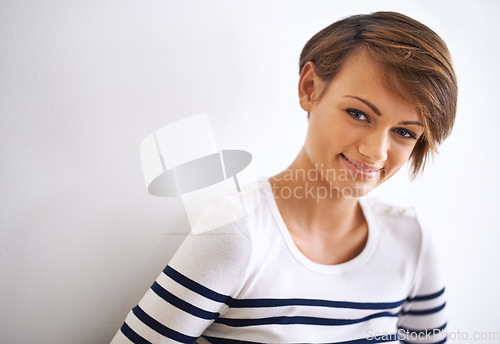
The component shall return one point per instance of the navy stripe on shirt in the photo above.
(440, 342)
(424, 331)
(132, 335)
(426, 297)
(195, 286)
(254, 303)
(160, 328)
(423, 311)
(271, 302)
(384, 339)
(299, 320)
(217, 340)
(181, 304)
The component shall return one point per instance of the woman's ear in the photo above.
(310, 86)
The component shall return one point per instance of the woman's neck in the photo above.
(311, 207)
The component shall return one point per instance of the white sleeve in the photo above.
(196, 287)
(423, 316)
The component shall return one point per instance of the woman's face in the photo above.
(360, 133)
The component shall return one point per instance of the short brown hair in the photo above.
(416, 64)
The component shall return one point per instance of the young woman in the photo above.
(315, 261)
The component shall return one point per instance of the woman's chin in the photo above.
(356, 190)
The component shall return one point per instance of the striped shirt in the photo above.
(247, 282)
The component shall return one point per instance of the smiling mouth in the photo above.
(361, 168)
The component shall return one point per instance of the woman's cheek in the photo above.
(346, 136)
(400, 154)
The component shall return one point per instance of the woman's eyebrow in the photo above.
(410, 123)
(370, 105)
(377, 111)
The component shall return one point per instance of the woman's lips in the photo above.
(359, 167)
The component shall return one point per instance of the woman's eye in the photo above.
(359, 115)
(404, 133)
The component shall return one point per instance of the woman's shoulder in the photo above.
(398, 225)
(386, 209)
(223, 240)
(236, 214)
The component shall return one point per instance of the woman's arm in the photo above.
(196, 287)
(423, 316)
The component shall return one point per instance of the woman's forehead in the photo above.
(361, 77)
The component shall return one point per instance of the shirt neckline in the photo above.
(349, 265)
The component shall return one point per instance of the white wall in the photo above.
(83, 82)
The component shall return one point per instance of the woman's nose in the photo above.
(374, 145)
